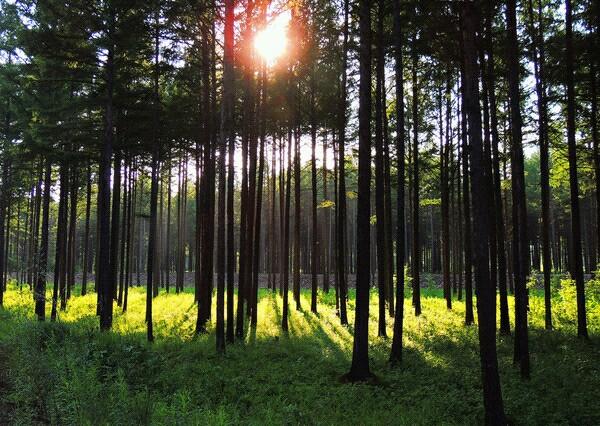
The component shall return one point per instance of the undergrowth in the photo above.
(68, 372)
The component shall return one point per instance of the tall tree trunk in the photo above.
(285, 253)
(115, 220)
(326, 222)
(168, 266)
(86, 233)
(33, 260)
(520, 242)
(594, 45)
(486, 292)
(396, 352)
(130, 233)
(387, 188)
(573, 178)
(379, 172)
(226, 135)
(316, 248)
(242, 273)
(61, 245)
(123, 248)
(468, 265)
(341, 210)
(230, 219)
(273, 229)
(40, 284)
(206, 200)
(445, 192)
(72, 229)
(152, 234)
(416, 246)
(259, 201)
(538, 57)
(297, 221)
(103, 278)
(360, 352)
(498, 207)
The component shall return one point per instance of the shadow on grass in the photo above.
(293, 380)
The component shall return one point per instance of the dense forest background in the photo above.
(355, 153)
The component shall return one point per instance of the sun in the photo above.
(271, 42)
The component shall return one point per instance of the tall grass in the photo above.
(69, 373)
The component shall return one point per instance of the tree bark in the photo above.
(486, 292)
(40, 285)
(573, 178)
(341, 234)
(360, 353)
(86, 233)
(520, 242)
(498, 207)
(416, 243)
(396, 352)
(379, 173)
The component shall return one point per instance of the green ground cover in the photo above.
(69, 373)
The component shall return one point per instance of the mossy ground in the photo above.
(69, 373)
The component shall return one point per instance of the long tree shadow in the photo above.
(326, 341)
(276, 309)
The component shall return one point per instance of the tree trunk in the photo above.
(468, 266)
(71, 234)
(297, 221)
(60, 252)
(379, 173)
(124, 224)
(114, 232)
(538, 57)
(445, 193)
(573, 178)
(285, 253)
(40, 285)
(360, 353)
(396, 352)
(498, 207)
(416, 246)
(326, 222)
(341, 210)
(86, 234)
(259, 200)
(103, 278)
(520, 242)
(486, 292)
(315, 249)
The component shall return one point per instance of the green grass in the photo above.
(69, 373)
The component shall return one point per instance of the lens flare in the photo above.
(271, 42)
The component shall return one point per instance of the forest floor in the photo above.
(69, 373)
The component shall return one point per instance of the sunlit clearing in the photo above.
(272, 41)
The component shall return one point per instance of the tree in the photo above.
(468, 253)
(341, 209)
(577, 270)
(379, 172)
(360, 352)
(315, 249)
(226, 132)
(520, 244)
(538, 58)
(396, 352)
(499, 216)
(40, 284)
(416, 242)
(152, 237)
(486, 293)
(105, 292)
